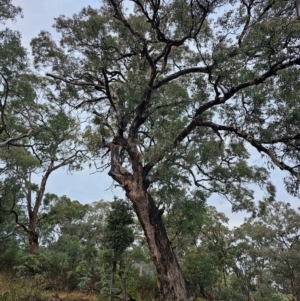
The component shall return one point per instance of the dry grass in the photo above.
(13, 288)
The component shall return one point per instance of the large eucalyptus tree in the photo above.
(179, 92)
(14, 64)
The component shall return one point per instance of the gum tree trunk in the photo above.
(172, 285)
(33, 238)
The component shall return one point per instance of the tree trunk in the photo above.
(113, 280)
(297, 295)
(33, 209)
(33, 242)
(172, 284)
(33, 237)
(124, 291)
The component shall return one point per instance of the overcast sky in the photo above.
(84, 186)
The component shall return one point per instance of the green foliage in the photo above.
(106, 44)
(84, 275)
(10, 253)
(200, 268)
(33, 266)
(184, 217)
(281, 297)
(178, 92)
(8, 11)
(118, 235)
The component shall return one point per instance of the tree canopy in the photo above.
(179, 92)
(176, 94)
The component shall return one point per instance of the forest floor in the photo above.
(13, 288)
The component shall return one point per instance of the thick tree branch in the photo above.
(205, 70)
(17, 220)
(10, 141)
(220, 100)
(120, 16)
(255, 143)
(77, 82)
(117, 172)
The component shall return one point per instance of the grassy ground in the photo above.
(13, 289)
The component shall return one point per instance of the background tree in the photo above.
(37, 134)
(273, 237)
(14, 65)
(118, 236)
(56, 146)
(214, 77)
(77, 231)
